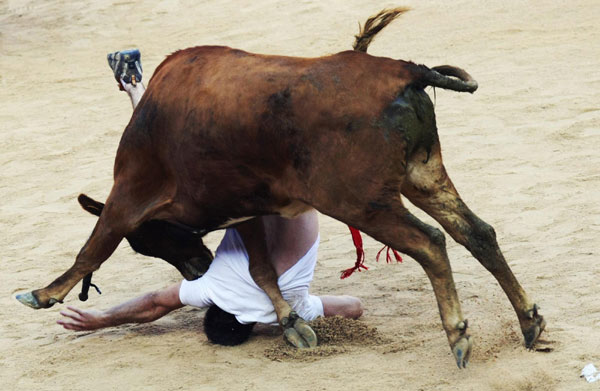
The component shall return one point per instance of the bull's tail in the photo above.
(443, 76)
(449, 78)
(375, 24)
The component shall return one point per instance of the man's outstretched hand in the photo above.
(81, 320)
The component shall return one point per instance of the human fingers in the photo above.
(70, 326)
(72, 315)
(77, 310)
(84, 315)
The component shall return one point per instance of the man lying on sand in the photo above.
(235, 301)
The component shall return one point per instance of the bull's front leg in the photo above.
(295, 329)
(105, 238)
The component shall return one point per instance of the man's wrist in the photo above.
(104, 319)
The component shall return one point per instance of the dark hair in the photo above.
(223, 328)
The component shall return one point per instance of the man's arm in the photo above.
(146, 308)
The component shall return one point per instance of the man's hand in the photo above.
(81, 320)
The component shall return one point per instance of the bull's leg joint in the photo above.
(532, 313)
(53, 301)
(462, 326)
(289, 321)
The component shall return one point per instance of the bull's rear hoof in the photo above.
(29, 300)
(537, 324)
(297, 332)
(462, 351)
(533, 333)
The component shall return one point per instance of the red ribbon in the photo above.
(360, 254)
(388, 257)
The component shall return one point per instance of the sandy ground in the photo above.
(523, 152)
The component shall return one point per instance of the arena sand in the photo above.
(523, 152)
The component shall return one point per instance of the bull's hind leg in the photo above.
(429, 187)
(392, 224)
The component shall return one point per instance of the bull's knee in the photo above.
(437, 237)
(484, 230)
(433, 256)
(437, 241)
(483, 234)
(482, 241)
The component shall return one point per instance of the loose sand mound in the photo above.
(335, 335)
(337, 330)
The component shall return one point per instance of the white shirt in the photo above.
(229, 285)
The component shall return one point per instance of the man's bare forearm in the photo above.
(142, 309)
(146, 308)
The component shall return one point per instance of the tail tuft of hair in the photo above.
(374, 25)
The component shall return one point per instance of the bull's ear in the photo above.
(90, 205)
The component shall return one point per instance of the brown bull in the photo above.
(222, 135)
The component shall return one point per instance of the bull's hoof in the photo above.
(462, 351)
(537, 325)
(464, 346)
(297, 332)
(29, 300)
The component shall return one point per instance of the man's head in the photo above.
(223, 328)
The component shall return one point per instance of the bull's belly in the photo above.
(294, 209)
(290, 211)
(235, 221)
